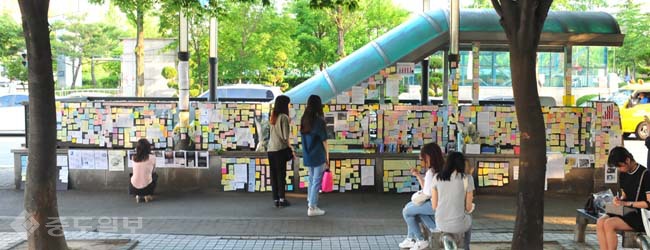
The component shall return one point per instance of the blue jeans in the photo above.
(468, 237)
(412, 212)
(315, 179)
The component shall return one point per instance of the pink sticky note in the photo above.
(302, 184)
(224, 170)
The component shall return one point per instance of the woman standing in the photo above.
(314, 150)
(279, 149)
(143, 178)
(431, 161)
(452, 197)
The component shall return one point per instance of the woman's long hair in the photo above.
(313, 111)
(435, 156)
(455, 162)
(142, 150)
(281, 106)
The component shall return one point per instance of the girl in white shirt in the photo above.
(431, 160)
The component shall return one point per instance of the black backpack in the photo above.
(590, 206)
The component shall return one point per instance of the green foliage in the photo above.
(11, 44)
(481, 4)
(14, 68)
(635, 51)
(435, 83)
(435, 62)
(315, 37)
(295, 80)
(585, 98)
(169, 73)
(130, 7)
(80, 40)
(578, 5)
(348, 4)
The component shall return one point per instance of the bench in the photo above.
(583, 219)
(435, 238)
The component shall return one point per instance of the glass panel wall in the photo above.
(589, 68)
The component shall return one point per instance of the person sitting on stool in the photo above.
(143, 178)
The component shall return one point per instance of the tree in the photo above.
(12, 43)
(315, 38)
(135, 12)
(480, 4)
(40, 189)
(577, 5)
(341, 13)
(82, 41)
(275, 75)
(248, 48)
(635, 51)
(198, 18)
(522, 22)
(376, 17)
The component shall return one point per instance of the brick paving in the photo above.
(220, 220)
(197, 242)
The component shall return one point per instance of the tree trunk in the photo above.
(139, 52)
(340, 49)
(522, 22)
(40, 189)
(92, 72)
(529, 225)
(75, 72)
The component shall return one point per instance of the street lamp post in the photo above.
(213, 60)
(424, 87)
(183, 141)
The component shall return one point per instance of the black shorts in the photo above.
(632, 219)
(148, 190)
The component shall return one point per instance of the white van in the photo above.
(246, 92)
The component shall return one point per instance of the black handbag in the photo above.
(287, 153)
(590, 206)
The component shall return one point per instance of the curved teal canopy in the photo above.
(428, 32)
(487, 20)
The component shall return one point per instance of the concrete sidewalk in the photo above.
(228, 220)
(198, 242)
(252, 214)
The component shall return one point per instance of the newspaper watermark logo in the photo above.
(56, 225)
(24, 224)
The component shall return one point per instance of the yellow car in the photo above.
(634, 103)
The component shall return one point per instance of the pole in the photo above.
(213, 59)
(424, 89)
(183, 86)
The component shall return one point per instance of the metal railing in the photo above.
(67, 92)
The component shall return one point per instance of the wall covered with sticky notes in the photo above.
(397, 176)
(251, 175)
(493, 173)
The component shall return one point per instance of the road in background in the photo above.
(7, 160)
(6, 145)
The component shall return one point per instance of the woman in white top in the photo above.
(452, 197)
(279, 149)
(431, 161)
(143, 178)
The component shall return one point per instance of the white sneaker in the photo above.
(420, 244)
(315, 211)
(407, 243)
